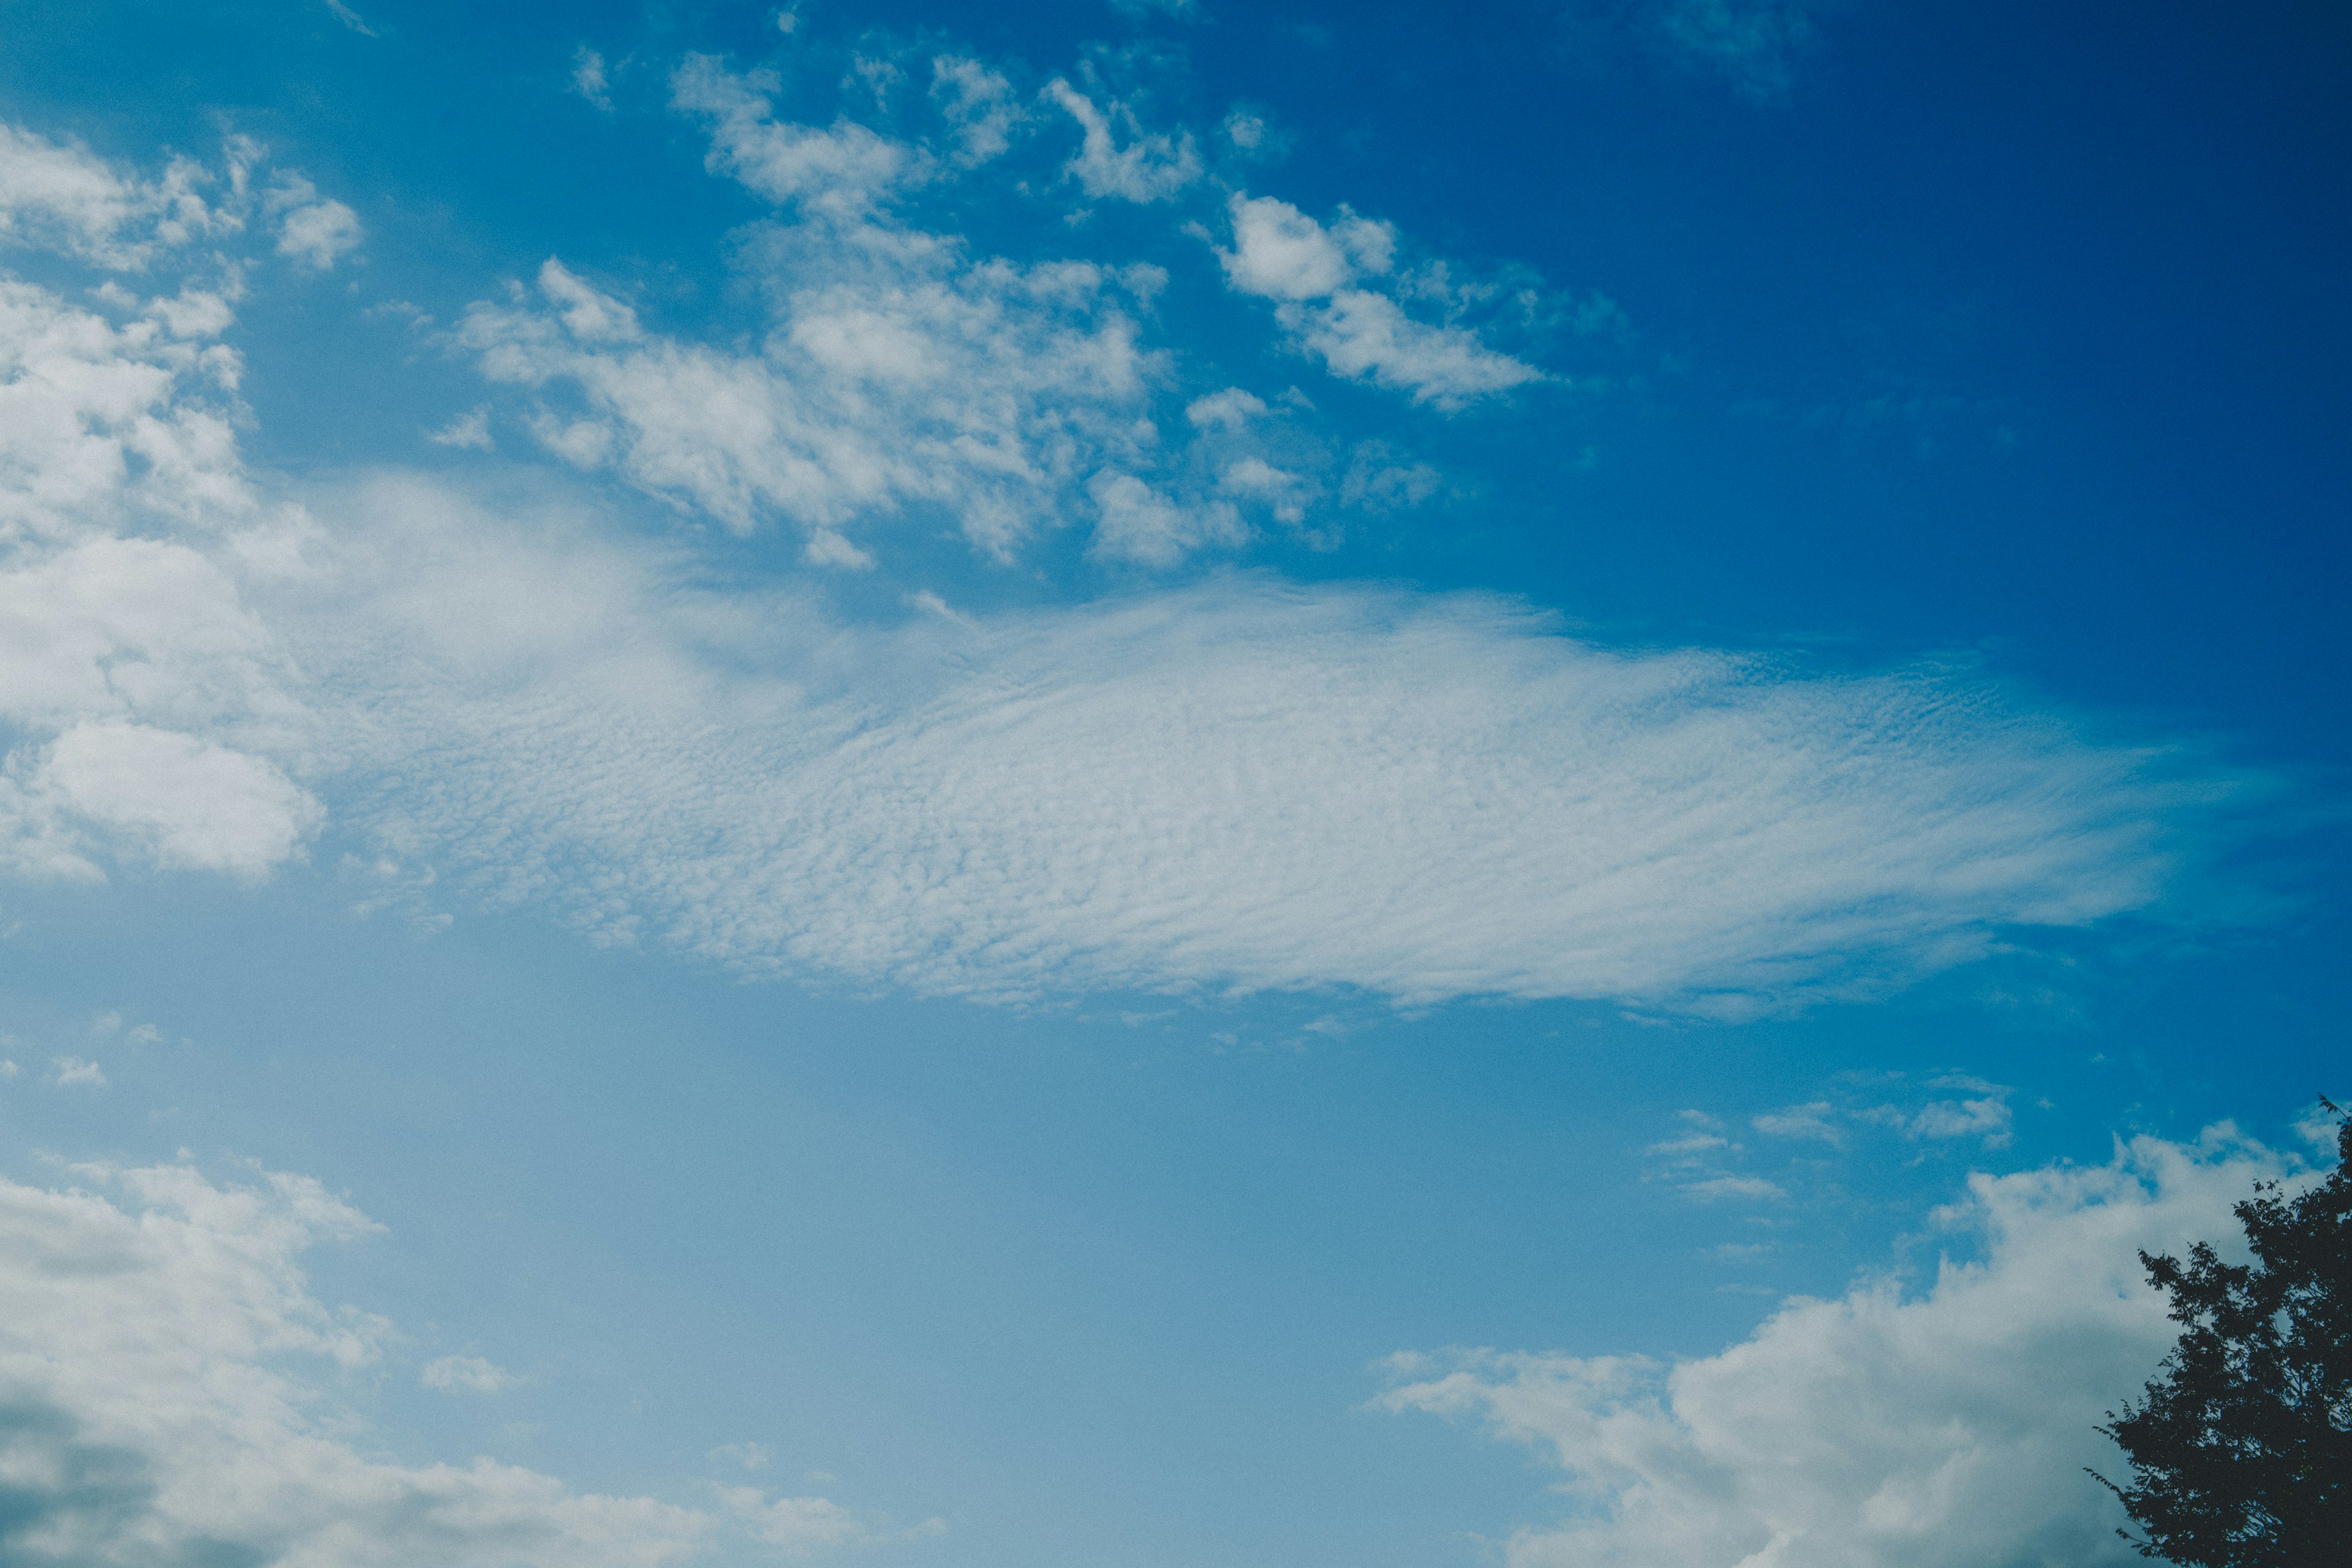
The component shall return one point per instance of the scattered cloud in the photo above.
(1712, 1188)
(314, 230)
(167, 1391)
(1986, 1118)
(467, 1374)
(470, 431)
(979, 106)
(1815, 1120)
(73, 1072)
(588, 78)
(843, 170)
(1940, 1426)
(149, 708)
(1152, 166)
(1315, 274)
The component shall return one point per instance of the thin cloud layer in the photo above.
(1943, 1429)
(166, 1382)
(1239, 784)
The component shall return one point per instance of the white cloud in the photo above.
(1733, 1186)
(1987, 1118)
(1814, 1121)
(73, 1071)
(1139, 523)
(1231, 409)
(187, 803)
(1311, 271)
(63, 198)
(467, 1374)
(149, 708)
(314, 230)
(1943, 1427)
(588, 78)
(1151, 167)
(979, 106)
(898, 374)
(1282, 254)
(1239, 784)
(470, 431)
(1378, 480)
(1246, 132)
(166, 1396)
(843, 170)
(1367, 336)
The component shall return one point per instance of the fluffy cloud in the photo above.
(1313, 271)
(1945, 1427)
(313, 230)
(145, 709)
(63, 198)
(1238, 785)
(979, 106)
(896, 375)
(165, 1397)
(899, 374)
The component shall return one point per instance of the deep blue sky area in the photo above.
(1018, 1034)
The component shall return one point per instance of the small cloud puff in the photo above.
(312, 230)
(469, 431)
(751, 1455)
(588, 78)
(1316, 274)
(467, 1374)
(73, 1071)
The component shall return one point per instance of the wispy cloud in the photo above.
(1235, 784)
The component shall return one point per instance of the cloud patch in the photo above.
(1316, 274)
(1943, 1426)
(166, 1396)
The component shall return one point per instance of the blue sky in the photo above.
(1122, 784)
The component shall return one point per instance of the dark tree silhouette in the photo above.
(2242, 1451)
